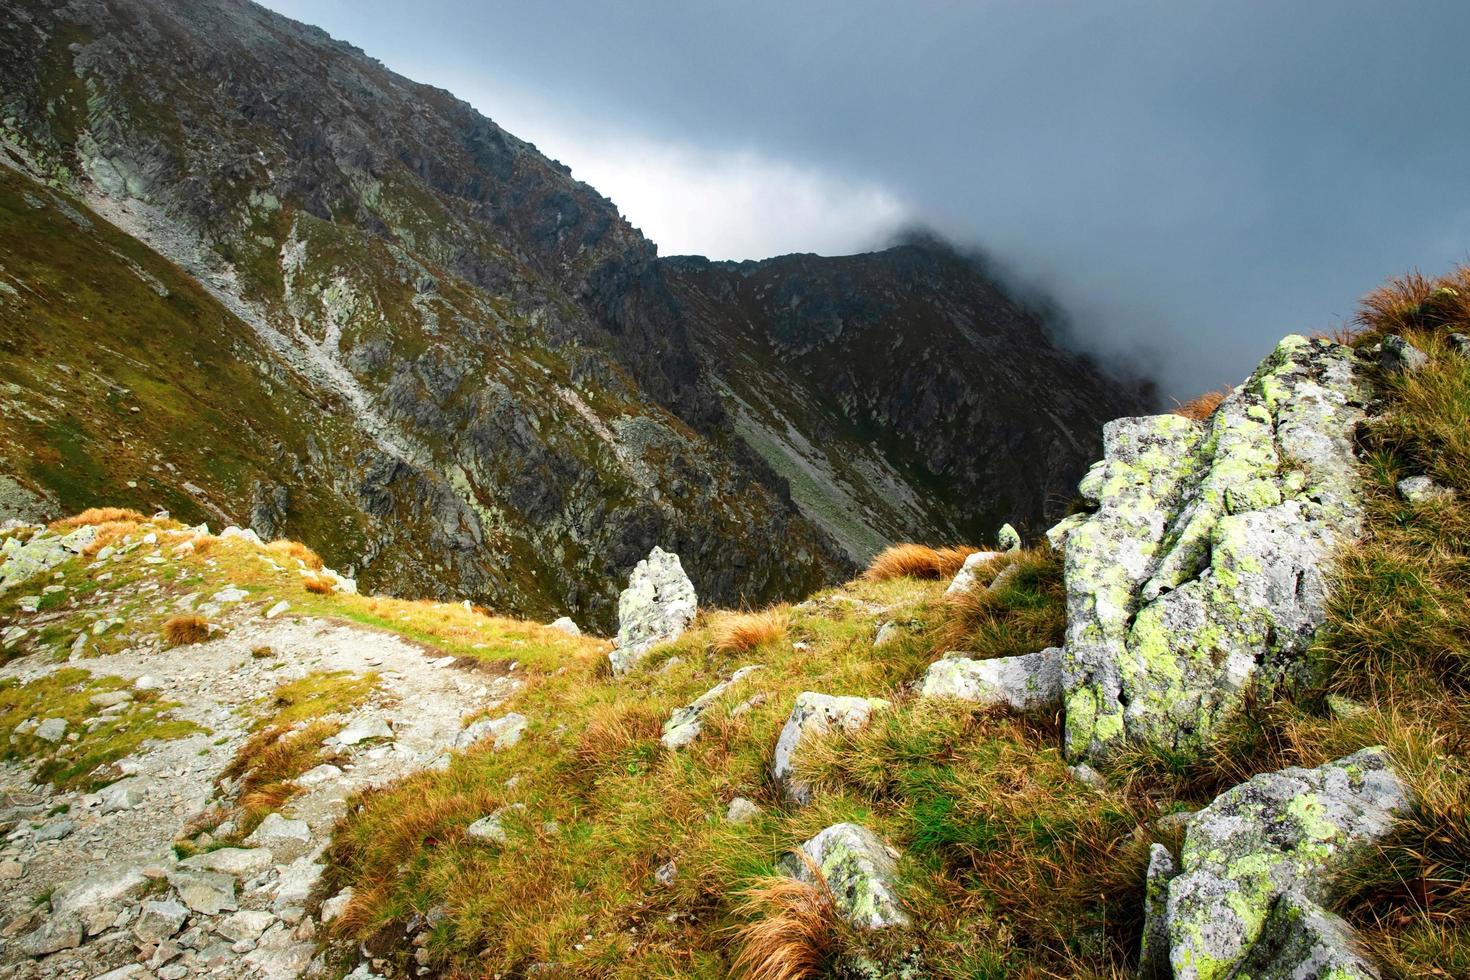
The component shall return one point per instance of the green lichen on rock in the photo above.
(859, 871)
(1284, 833)
(1203, 570)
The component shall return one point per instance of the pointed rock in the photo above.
(657, 606)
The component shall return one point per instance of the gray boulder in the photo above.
(859, 871)
(1008, 539)
(158, 921)
(816, 714)
(204, 891)
(657, 606)
(285, 839)
(969, 573)
(242, 862)
(1153, 960)
(1418, 489)
(1026, 683)
(55, 934)
(1283, 833)
(567, 625)
(685, 724)
(1204, 569)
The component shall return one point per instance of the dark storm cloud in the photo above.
(1196, 178)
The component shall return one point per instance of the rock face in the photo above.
(885, 388)
(1302, 939)
(858, 869)
(43, 552)
(816, 714)
(1286, 834)
(657, 606)
(1203, 567)
(1026, 683)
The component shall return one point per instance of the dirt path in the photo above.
(114, 884)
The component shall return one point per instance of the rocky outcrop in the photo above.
(1202, 569)
(43, 551)
(857, 869)
(969, 573)
(1027, 683)
(1302, 939)
(815, 715)
(657, 606)
(1280, 837)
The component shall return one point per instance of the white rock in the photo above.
(567, 626)
(686, 723)
(741, 811)
(245, 926)
(158, 921)
(123, 795)
(241, 862)
(506, 730)
(277, 609)
(1418, 489)
(147, 682)
(492, 828)
(286, 839)
(657, 606)
(333, 907)
(969, 573)
(51, 730)
(204, 891)
(243, 534)
(1026, 683)
(324, 773)
(362, 729)
(816, 714)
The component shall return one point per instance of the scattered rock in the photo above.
(567, 626)
(1418, 489)
(741, 811)
(685, 724)
(492, 828)
(1401, 357)
(666, 874)
(816, 714)
(204, 891)
(969, 573)
(1008, 539)
(887, 633)
(507, 731)
(245, 926)
(859, 870)
(1284, 832)
(277, 609)
(51, 730)
(333, 907)
(1026, 683)
(361, 730)
(286, 839)
(55, 830)
(159, 920)
(12, 870)
(657, 606)
(1460, 344)
(57, 933)
(324, 773)
(238, 861)
(1088, 776)
(122, 795)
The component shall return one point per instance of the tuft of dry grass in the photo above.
(1023, 610)
(298, 551)
(98, 515)
(108, 533)
(1203, 406)
(916, 561)
(319, 585)
(268, 762)
(794, 930)
(743, 632)
(186, 629)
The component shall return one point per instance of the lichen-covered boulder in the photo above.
(43, 552)
(969, 573)
(685, 724)
(859, 871)
(657, 606)
(1153, 960)
(1283, 833)
(1303, 940)
(816, 714)
(1401, 357)
(1008, 539)
(1026, 683)
(1204, 568)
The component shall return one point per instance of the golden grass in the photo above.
(185, 629)
(108, 533)
(1203, 406)
(793, 933)
(267, 763)
(1024, 612)
(319, 585)
(296, 550)
(916, 561)
(743, 632)
(98, 515)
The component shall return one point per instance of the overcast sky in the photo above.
(1192, 178)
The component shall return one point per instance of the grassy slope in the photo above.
(1011, 867)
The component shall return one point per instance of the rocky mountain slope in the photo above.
(1215, 725)
(903, 394)
(248, 274)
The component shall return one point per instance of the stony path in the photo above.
(118, 843)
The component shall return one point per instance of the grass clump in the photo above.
(95, 516)
(792, 933)
(1020, 610)
(185, 630)
(1203, 406)
(320, 693)
(743, 632)
(297, 551)
(318, 585)
(916, 561)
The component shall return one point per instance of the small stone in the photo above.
(333, 907)
(1153, 960)
(362, 730)
(324, 773)
(123, 795)
(567, 626)
(58, 933)
(158, 921)
(277, 609)
(969, 573)
(1088, 776)
(146, 682)
(666, 874)
(1419, 489)
(51, 730)
(11, 870)
(108, 699)
(1026, 683)
(507, 731)
(55, 830)
(1460, 344)
(1008, 539)
(1401, 357)
(887, 633)
(287, 839)
(245, 926)
(204, 891)
(492, 828)
(238, 861)
(741, 811)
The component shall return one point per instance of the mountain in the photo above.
(904, 394)
(252, 276)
